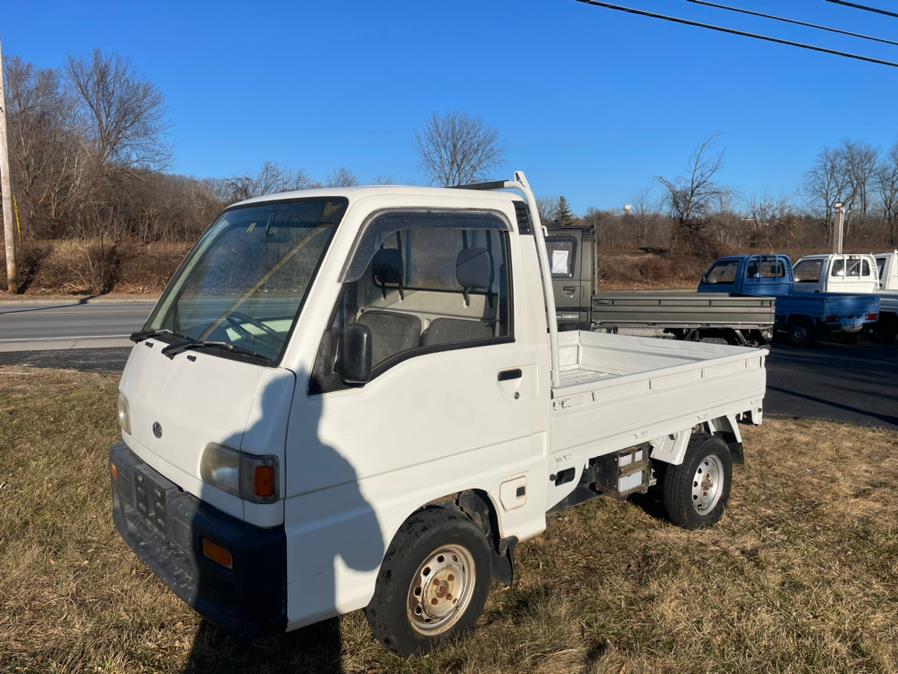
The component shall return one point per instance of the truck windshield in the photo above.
(722, 272)
(244, 283)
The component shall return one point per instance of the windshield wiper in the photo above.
(173, 350)
(141, 335)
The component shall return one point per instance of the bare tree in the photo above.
(828, 183)
(692, 198)
(767, 219)
(122, 115)
(547, 207)
(270, 179)
(47, 156)
(886, 181)
(341, 177)
(861, 161)
(457, 149)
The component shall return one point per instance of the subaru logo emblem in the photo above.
(157, 429)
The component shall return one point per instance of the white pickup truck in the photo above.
(359, 398)
(857, 273)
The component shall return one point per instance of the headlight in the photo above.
(124, 414)
(251, 477)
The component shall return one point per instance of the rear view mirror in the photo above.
(355, 354)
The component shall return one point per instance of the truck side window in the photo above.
(808, 271)
(722, 272)
(421, 282)
(561, 252)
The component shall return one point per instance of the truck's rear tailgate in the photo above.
(822, 305)
(619, 390)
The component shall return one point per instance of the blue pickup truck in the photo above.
(802, 316)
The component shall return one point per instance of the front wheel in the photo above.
(696, 492)
(433, 582)
(801, 332)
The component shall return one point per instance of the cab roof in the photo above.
(363, 191)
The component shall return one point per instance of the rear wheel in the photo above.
(886, 328)
(696, 492)
(433, 582)
(801, 332)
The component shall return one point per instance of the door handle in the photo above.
(569, 290)
(507, 375)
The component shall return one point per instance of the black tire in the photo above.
(885, 330)
(679, 483)
(801, 332)
(404, 582)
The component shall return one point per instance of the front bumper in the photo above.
(165, 526)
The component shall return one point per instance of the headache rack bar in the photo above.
(539, 235)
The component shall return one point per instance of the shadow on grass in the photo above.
(312, 649)
(650, 503)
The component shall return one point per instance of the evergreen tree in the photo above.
(563, 215)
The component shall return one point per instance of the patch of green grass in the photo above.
(801, 575)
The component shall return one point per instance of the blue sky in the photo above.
(591, 103)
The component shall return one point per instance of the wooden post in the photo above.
(6, 192)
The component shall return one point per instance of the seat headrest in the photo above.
(386, 267)
(472, 268)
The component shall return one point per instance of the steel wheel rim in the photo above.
(800, 332)
(707, 484)
(441, 589)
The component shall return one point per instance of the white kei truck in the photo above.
(359, 399)
(857, 274)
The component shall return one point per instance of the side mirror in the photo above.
(355, 354)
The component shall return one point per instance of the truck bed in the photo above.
(681, 310)
(888, 301)
(610, 382)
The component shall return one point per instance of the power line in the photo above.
(865, 8)
(740, 33)
(795, 22)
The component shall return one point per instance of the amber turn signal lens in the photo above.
(263, 482)
(218, 554)
(114, 471)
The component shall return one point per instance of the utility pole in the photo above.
(839, 228)
(6, 191)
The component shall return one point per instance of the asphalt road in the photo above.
(857, 384)
(69, 324)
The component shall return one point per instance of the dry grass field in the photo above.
(800, 576)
